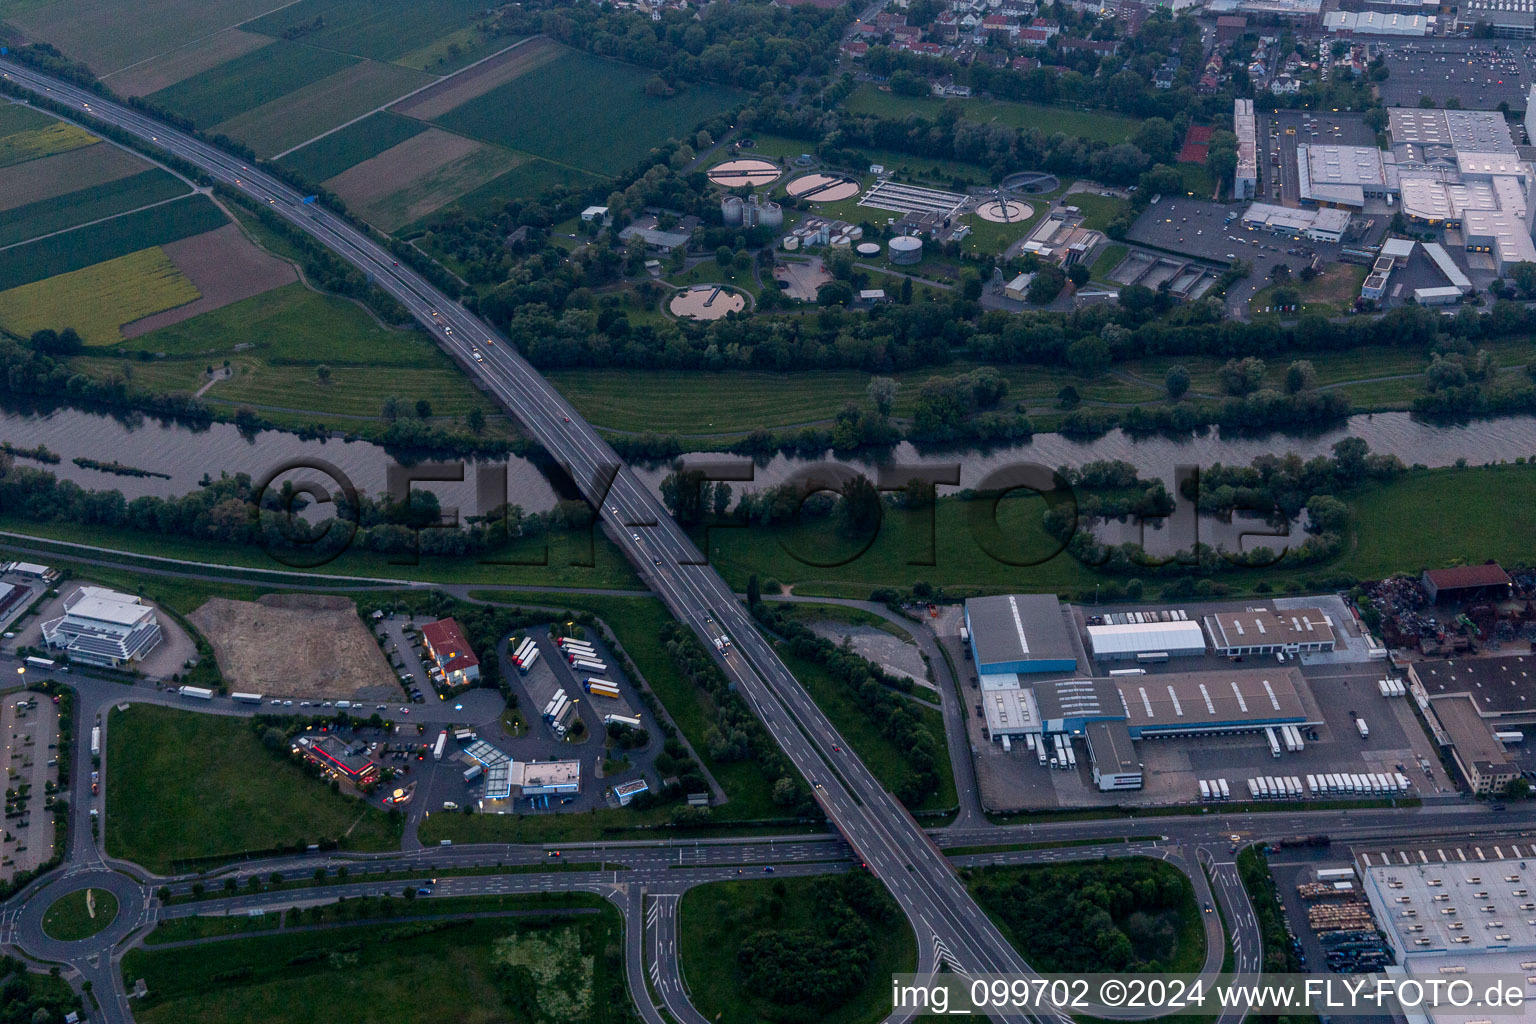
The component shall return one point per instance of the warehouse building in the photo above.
(1270, 631)
(450, 652)
(1194, 703)
(1469, 698)
(103, 627)
(1019, 634)
(1486, 582)
(1480, 757)
(1113, 757)
(1146, 641)
(1325, 225)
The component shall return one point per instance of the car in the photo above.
(768, 869)
(566, 418)
(287, 703)
(405, 711)
(634, 536)
(1207, 908)
(303, 703)
(278, 701)
(552, 853)
(378, 707)
(613, 509)
(397, 263)
(478, 357)
(458, 707)
(836, 749)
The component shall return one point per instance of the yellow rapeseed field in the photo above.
(99, 299)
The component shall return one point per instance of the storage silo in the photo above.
(906, 249)
(730, 209)
(771, 215)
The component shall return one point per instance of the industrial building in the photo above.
(1245, 179)
(1343, 176)
(1486, 582)
(31, 570)
(450, 652)
(1469, 698)
(1322, 225)
(1483, 762)
(1507, 19)
(1374, 23)
(624, 792)
(1113, 756)
(1146, 641)
(1270, 631)
(542, 778)
(1019, 634)
(103, 627)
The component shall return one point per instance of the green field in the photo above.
(94, 243)
(328, 157)
(316, 107)
(275, 343)
(714, 921)
(88, 204)
(549, 968)
(1095, 125)
(587, 112)
(99, 299)
(52, 137)
(521, 182)
(1331, 293)
(241, 797)
(1098, 211)
(80, 914)
(885, 760)
(381, 29)
(15, 117)
(101, 34)
(248, 81)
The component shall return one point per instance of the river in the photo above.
(185, 455)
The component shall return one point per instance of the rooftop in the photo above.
(448, 644)
(1110, 745)
(1489, 574)
(99, 604)
(1018, 628)
(1263, 627)
(1498, 687)
(1193, 700)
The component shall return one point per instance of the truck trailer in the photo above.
(196, 692)
(1363, 729)
(1274, 741)
(528, 662)
(251, 698)
(589, 665)
(96, 741)
(440, 745)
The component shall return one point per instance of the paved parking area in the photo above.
(1480, 73)
(31, 759)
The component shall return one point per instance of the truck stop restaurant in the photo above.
(335, 757)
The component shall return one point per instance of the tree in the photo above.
(754, 591)
(1078, 275)
(881, 391)
(475, 420)
(423, 409)
(835, 293)
(1300, 376)
(1241, 376)
(682, 492)
(1156, 138)
(1176, 381)
(861, 505)
(724, 256)
(905, 297)
(785, 792)
(1068, 398)
(1089, 356)
(323, 373)
(1046, 286)
(742, 262)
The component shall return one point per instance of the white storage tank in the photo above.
(791, 243)
(906, 249)
(868, 249)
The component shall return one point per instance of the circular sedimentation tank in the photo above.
(752, 171)
(707, 302)
(822, 188)
(906, 249)
(868, 249)
(1005, 211)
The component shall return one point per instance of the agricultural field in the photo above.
(1095, 125)
(183, 62)
(50, 176)
(381, 30)
(317, 107)
(89, 204)
(247, 798)
(97, 300)
(535, 965)
(605, 100)
(108, 38)
(27, 134)
(248, 81)
(276, 341)
(421, 174)
(475, 82)
(95, 243)
(349, 146)
(526, 179)
(225, 267)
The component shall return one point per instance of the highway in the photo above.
(892, 844)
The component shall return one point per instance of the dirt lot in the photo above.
(225, 266)
(35, 180)
(419, 175)
(167, 69)
(296, 645)
(480, 79)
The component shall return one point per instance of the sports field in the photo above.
(419, 175)
(87, 204)
(27, 134)
(586, 112)
(108, 38)
(248, 81)
(94, 243)
(1095, 125)
(97, 300)
(328, 157)
(49, 176)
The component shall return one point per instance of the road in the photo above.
(889, 841)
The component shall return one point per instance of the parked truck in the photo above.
(440, 745)
(1362, 728)
(1226, 791)
(42, 663)
(1274, 741)
(96, 741)
(256, 698)
(196, 692)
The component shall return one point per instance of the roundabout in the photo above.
(79, 915)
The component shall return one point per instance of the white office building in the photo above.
(103, 627)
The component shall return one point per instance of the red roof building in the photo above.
(451, 652)
(1467, 582)
(1034, 36)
